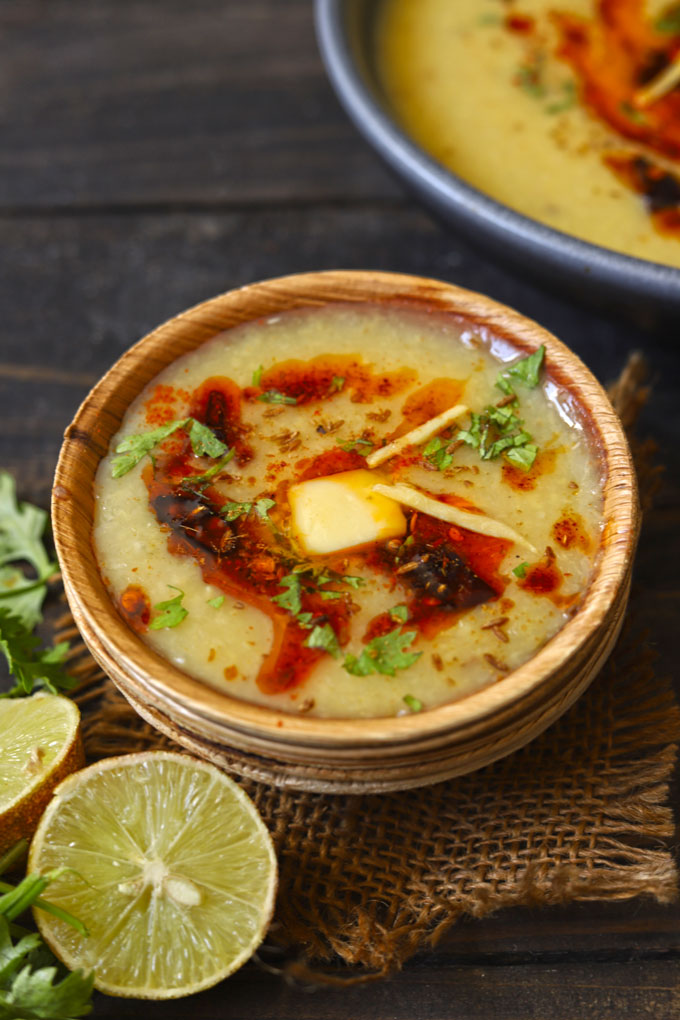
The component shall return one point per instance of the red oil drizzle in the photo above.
(322, 377)
(523, 24)
(523, 480)
(161, 407)
(217, 403)
(545, 578)
(570, 531)
(660, 188)
(135, 607)
(427, 402)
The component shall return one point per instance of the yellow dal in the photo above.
(132, 549)
(449, 71)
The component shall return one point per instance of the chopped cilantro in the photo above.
(231, 511)
(529, 77)
(632, 113)
(521, 570)
(337, 383)
(257, 375)
(384, 655)
(522, 456)
(498, 430)
(413, 703)
(289, 599)
(132, 449)
(355, 444)
(204, 442)
(200, 481)
(323, 636)
(172, 611)
(276, 397)
(436, 451)
(527, 370)
(216, 602)
(31, 665)
(503, 383)
(399, 613)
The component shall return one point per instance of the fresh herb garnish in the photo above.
(668, 23)
(337, 383)
(520, 570)
(498, 430)
(232, 511)
(437, 452)
(413, 703)
(384, 655)
(216, 602)
(31, 665)
(172, 611)
(526, 370)
(132, 449)
(201, 481)
(399, 613)
(21, 529)
(323, 636)
(290, 598)
(276, 397)
(356, 444)
(257, 375)
(28, 969)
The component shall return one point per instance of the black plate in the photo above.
(345, 31)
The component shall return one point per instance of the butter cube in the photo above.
(342, 511)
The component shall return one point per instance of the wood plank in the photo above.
(158, 102)
(434, 990)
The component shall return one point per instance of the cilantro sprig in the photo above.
(526, 371)
(21, 597)
(438, 453)
(233, 510)
(132, 449)
(172, 612)
(385, 654)
(276, 397)
(33, 985)
(499, 430)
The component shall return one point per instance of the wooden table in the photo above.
(157, 152)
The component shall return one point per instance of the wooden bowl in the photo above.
(342, 755)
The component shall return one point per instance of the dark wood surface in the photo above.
(157, 152)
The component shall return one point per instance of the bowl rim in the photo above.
(87, 439)
(453, 196)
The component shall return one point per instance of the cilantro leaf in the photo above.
(203, 440)
(520, 570)
(132, 449)
(436, 451)
(21, 529)
(522, 456)
(528, 369)
(201, 481)
(257, 375)
(276, 397)
(216, 602)
(172, 611)
(337, 383)
(668, 23)
(384, 655)
(29, 987)
(323, 636)
(31, 665)
(399, 613)
(290, 599)
(232, 511)
(415, 704)
(355, 444)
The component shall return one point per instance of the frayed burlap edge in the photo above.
(579, 814)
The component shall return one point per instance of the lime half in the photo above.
(39, 745)
(174, 874)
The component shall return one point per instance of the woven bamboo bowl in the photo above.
(342, 755)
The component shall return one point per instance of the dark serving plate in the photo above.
(345, 31)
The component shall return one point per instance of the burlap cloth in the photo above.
(580, 814)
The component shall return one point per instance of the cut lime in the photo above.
(39, 745)
(174, 874)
